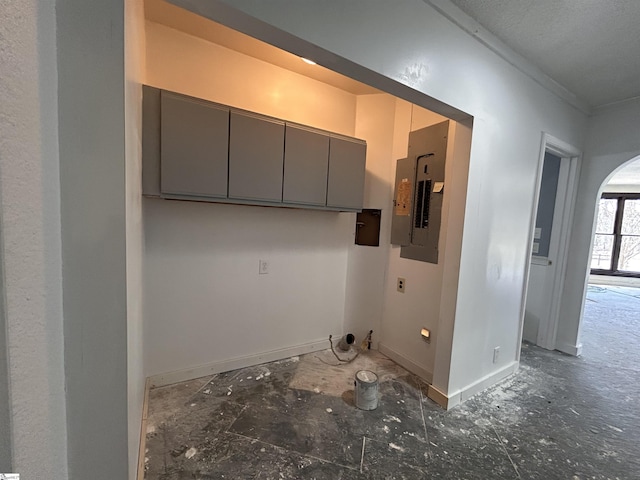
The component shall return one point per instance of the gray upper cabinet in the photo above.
(151, 141)
(256, 156)
(306, 161)
(194, 147)
(345, 185)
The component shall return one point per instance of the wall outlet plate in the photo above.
(496, 354)
(401, 284)
(264, 267)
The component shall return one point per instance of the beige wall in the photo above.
(205, 303)
(190, 65)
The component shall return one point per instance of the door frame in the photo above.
(565, 202)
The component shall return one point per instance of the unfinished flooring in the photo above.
(559, 417)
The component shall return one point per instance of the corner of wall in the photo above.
(134, 31)
(456, 176)
(5, 412)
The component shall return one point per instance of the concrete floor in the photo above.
(559, 417)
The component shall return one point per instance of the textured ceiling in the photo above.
(591, 47)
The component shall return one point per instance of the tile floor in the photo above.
(559, 417)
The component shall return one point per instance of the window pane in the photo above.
(629, 259)
(631, 218)
(602, 252)
(606, 215)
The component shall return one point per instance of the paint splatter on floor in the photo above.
(557, 417)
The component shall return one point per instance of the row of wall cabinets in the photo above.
(194, 149)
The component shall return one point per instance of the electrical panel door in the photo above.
(403, 202)
(420, 177)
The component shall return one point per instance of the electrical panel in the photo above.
(419, 189)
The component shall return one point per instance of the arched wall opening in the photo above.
(615, 250)
(612, 142)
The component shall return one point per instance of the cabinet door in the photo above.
(306, 162)
(194, 147)
(256, 156)
(345, 186)
(150, 141)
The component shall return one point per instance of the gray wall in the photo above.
(547, 201)
(92, 179)
(32, 262)
(5, 422)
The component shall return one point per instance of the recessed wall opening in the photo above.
(200, 277)
(550, 238)
(616, 241)
(612, 300)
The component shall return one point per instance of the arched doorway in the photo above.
(612, 303)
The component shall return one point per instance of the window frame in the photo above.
(617, 236)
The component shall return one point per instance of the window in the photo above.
(616, 246)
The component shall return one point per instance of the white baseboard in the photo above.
(404, 362)
(456, 398)
(182, 375)
(575, 350)
(143, 432)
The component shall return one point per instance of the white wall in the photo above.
(366, 271)
(134, 72)
(205, 302)
(405, 314)
(613, 140)
(91, 135)
(30, 216)
(412, 43)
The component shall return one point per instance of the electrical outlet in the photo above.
(401, 284)
(264, 267)
(496, 354)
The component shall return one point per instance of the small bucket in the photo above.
(366, 391)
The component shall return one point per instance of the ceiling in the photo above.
(161, 12)
(591, 47)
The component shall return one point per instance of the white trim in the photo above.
(182, 375)
(570, 349)
(435, 394)
(476, 387)
(566, 199)
(565, 205)
(532, 226)
(143, 432)
(404, 362)
(568, 203)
